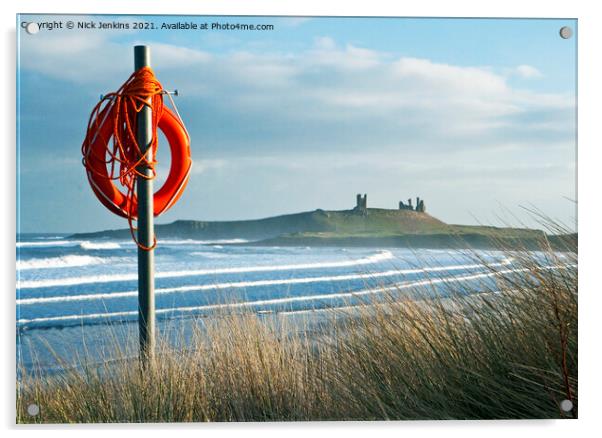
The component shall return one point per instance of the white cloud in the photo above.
(328, 96)
(178, 57)
(326, 53)
(316, 124)
(206, 164)
(324, 43)
(528, 72)
(473, 80)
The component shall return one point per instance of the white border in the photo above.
(590, 29)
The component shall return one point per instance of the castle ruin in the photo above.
(419, 205)
(361, 204)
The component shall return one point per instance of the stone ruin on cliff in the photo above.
(361, 204)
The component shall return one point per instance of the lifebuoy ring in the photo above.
(179, 172)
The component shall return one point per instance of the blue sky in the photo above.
(475, 116)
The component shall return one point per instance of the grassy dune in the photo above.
(508, 353)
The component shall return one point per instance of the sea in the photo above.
(78, 298)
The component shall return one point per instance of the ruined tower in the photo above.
(361, 202)
(419, 205)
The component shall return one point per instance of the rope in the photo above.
(124, 157)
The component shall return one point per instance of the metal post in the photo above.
(146, 262)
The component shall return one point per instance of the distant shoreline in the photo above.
(371, 227)
(435, 241)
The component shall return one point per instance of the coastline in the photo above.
(352, 228)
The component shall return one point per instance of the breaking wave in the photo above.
(46, 243)
(72, 281)
(99, 245)
(68, 261)
(259, 283)
(321, 297)
(202, 242)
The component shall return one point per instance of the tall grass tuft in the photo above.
(509, 351)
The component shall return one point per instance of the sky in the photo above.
(475, 116)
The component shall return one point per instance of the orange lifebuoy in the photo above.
(179, 172)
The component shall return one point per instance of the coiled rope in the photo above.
(124, 157)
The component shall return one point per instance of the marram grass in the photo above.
(510, 352)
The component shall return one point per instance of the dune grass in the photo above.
(508, 352)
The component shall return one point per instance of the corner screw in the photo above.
(32, 28)
(566, 32)
(566, 405)
(33, 409)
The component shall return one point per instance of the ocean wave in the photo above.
(201, 242)
(47, 243)
(72, 281)
(99, 245)
(67, 261)
(259, 283)
(284, 300)
(210, 255)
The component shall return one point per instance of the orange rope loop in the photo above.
(124, 157)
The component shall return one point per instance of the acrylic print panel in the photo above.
(295, 218)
